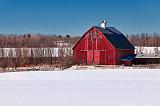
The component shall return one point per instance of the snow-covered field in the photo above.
(103, 87)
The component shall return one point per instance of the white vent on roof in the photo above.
(103, 24)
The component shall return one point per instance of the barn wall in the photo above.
(143, 61)
(96, 57)
(121, 53)
(80, 57)
(94, 48)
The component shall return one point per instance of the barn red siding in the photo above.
(94, 48)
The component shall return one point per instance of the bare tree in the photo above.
(11, 58)
(18, 58)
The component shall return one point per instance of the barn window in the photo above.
(92, 34)
(95, 34)
(89, 34)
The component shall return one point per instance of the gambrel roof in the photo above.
(115, 37)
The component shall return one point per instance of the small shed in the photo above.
(147, 59)
(102, 45)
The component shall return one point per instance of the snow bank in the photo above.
(103, 87)
(147, 50)
(91, 74)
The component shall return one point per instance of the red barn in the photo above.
(103, 46)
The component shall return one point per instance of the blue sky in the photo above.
(76, 16)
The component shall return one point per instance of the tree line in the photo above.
(36, 49)
(144, 39)
(51, 49)
(53, 40)
(35, 40)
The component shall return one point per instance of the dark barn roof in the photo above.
(115, 37)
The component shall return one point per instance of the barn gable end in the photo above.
(104, 46)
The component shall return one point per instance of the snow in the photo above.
(94, 87)
(9, 52)
(55, 51)
(146, 50)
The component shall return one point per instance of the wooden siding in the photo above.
(94, 48)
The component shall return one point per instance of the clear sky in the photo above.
(76, 16)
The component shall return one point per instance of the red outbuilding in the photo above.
(103, 46)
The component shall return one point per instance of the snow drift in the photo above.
(104, 87)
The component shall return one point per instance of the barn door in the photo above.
(84, 57)
(90, 57)
(102, 57)
(93, 57)
(106, 57)
(96, 57)
(109, 58)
